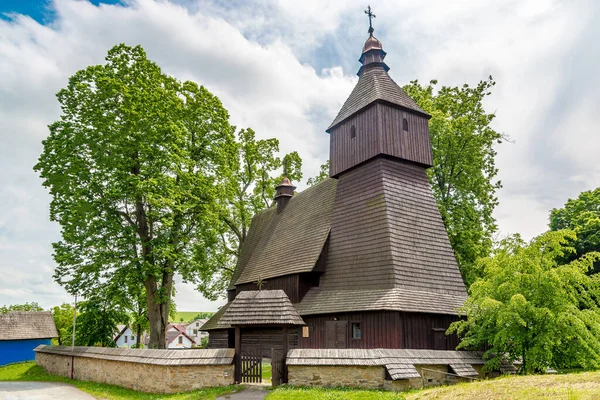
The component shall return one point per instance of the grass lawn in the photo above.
(28, 371)
(576, 386)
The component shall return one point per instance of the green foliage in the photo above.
(134, 168)
(252, 174)
(463, 177)
(323, 174)
(33, 306)
(530, 307)
(28, 371)
(581, 215)
(204, 343)
(203, 315)
(97, 321)
(63, 319)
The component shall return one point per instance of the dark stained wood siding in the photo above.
(288, 283)
(379, 130)
(382, 329)
(218, 339)
(262, 340)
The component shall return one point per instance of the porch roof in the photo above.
(261, 307)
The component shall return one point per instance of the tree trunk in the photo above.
(158, 314)
(139, 333)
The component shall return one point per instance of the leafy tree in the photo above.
(323, 174)
(133, 168)
(252, 176)
(532, 308)
(203, 315)
(33, 306)
(581, 215)
(63, 319)
(463, 177)
(97, 322)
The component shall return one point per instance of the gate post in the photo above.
(238, 355)
(284, 375)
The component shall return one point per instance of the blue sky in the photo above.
(284, 68)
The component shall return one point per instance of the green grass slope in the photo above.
(187, 316)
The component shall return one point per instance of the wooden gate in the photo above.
(278, 367)
(251, 367)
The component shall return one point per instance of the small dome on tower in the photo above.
(372, 43)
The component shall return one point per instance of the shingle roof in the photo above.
(393, 253)
(27, 325)
(465, 370)
(296, 235)
(400, 363)
(323, 301)
(375, 85)
(147, 356)
(264, 307)
(214, 322)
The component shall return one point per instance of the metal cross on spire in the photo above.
(371, 16)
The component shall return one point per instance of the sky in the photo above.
(284, 68)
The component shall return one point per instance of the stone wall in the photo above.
(368, 377)
(138, 376)
(330, 376)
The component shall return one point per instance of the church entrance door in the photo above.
(336, 333)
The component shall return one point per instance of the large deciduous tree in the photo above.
(463, 177)
(133, 170)
(323, 174)
(581, 215)
(252, 175)
(531, 308)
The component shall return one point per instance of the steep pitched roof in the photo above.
(261, 307)
(375, 85)
(394, 253)
(214, 322)
(296, 235)
(27, 325)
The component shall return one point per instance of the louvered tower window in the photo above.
(353, 132)
(405, 125)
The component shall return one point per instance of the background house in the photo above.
(125, 337)
(21, 332)
(177, 338)
(193, 330)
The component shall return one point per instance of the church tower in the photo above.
(378, 118)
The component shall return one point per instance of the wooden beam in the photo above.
(238, 355)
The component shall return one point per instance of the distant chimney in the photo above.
(285, 191)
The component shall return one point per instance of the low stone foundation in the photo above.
(163, 373)
(331, 376)
(390, 369)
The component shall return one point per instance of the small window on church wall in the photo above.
(356, 334)
(353, 132)
(405, 125)
(305, 331)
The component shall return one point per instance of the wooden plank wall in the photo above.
(262, 340)
(382, 329)
(295, 286)
(379, 130)
(218, 339)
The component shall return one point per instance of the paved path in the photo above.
(41, 391)
(248, 394)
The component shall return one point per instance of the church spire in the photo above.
(372, 52)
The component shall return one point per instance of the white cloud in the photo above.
(284, 69)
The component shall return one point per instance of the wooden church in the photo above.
(360, 260)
